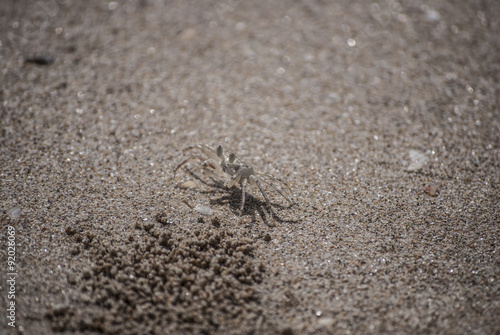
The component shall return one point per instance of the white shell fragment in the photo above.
(14, 212)
(418, 160)
(204, 210)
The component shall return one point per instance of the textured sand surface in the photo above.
(383, 118)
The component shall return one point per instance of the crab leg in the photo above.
(243, 184)
(277, 189)
(275, 178)
(233, 181)
(186, 161)
(263, 193)
(205, 149)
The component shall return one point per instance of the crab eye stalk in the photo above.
(232, 158)
(219, 151)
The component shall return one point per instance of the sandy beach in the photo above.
(382, 117)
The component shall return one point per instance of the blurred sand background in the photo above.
(382, 116)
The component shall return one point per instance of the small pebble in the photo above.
(431, 190)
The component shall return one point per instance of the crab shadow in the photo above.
(232, 197)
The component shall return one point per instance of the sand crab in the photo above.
(218, 162)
